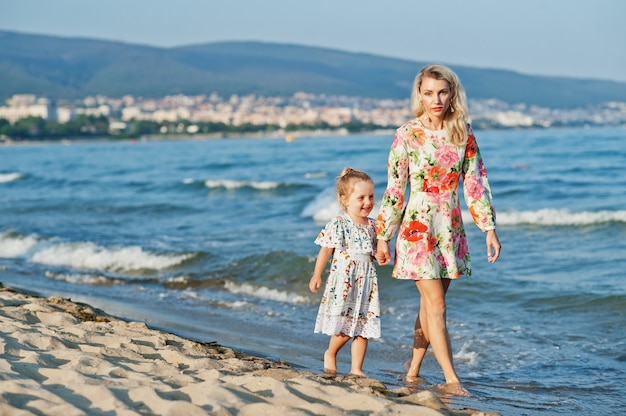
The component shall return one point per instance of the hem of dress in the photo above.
(427, 278)
(351, 336)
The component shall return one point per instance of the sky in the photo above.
(571, 38)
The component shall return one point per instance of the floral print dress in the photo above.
(350, 304)
(431, 241)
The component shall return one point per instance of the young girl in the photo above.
(350, 307)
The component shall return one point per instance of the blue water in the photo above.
(213, 239)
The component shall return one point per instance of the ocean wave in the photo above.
(10, 177)
(314, 175)
(233, 184)
(325, 206)
(581, 303)
(14, 245)
(90, 279)
(86, 255)
(557, 217)
(265, 293)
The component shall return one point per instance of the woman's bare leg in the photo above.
(420, 339)
(420, 343)
(359, 348)
(432, 294)
(330, 355)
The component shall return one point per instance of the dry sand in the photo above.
(63, 358)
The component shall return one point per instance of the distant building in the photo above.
(28, 105)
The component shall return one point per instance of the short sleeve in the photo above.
(332, 235)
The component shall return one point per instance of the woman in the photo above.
(431, 153)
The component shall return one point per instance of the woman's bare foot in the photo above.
(454, 389)
(413, 380)
(412, 369)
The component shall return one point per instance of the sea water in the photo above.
(213, 240)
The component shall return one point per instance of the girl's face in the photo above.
(360, 202)
(435, 95)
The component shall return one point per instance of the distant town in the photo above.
(27, 116)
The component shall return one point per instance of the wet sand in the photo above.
(59, 357)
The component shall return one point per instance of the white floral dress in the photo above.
(431, 241)
(350, 304)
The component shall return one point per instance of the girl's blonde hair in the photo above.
(345, 183)
(455, 116)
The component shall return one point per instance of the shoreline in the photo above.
(287, 136)
(59, 357)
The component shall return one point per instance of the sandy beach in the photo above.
(58, 357)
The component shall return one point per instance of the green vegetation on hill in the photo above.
(66, 68)
(90, 127)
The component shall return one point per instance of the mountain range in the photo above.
(69, 68)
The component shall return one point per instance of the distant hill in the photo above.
(60, 68)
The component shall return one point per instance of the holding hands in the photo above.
(383, 255)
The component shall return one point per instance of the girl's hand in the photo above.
(315, 283)
(383, 255)
(493, 246)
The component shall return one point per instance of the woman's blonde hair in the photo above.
(345, 183)
(455, 116)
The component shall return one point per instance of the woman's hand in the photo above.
(383, 255)
(493, 246)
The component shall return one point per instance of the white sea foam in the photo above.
(265, 293)
(325, 206)
(467, 355)
(559, 217)
(9, 177)
(80, 278)
(235, 305)
(178, 279)
(117, 259)
(12, 245)
(312, 175)
(85, 255)
(232, 184)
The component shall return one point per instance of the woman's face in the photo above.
(435, 95)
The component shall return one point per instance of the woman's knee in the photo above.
(436, 307)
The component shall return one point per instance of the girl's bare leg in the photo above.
(432, 294)
(330, 355)
(421, 340)
(359, 348)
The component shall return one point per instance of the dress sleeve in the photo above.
(476, 187)
(332, 236)
(391, 206)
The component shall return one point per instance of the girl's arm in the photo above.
(322, 258)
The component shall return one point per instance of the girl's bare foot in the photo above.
(330, 364)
